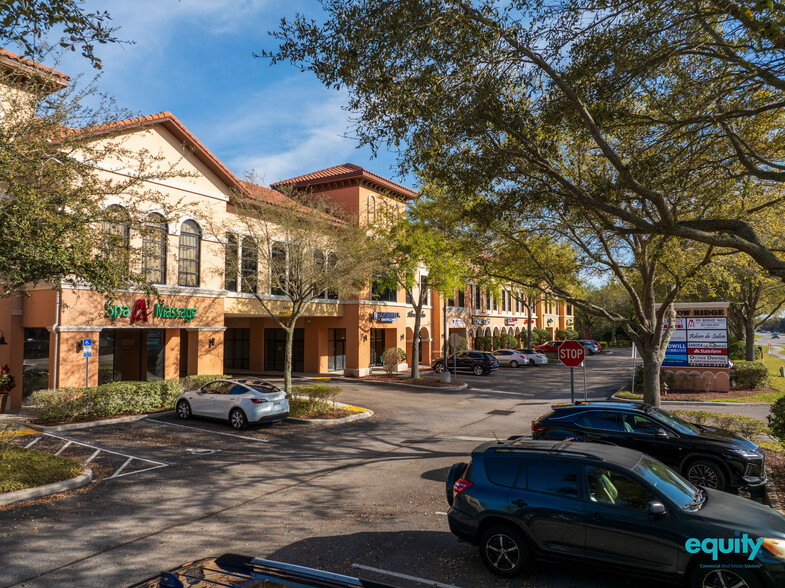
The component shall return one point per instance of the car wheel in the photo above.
(504, 551)
(438, 368)
(477, 370)
(456, 471)
(184, 410)
(513, 364)
(705, 474)
(722, 578)
(238, 419)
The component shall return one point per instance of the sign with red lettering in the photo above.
(139, 313)
(571, 353)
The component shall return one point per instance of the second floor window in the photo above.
(487, 302)
(154, 249)
(383, 293)
(569, 309)
(504, 300)
(190, 254)
(425, 294)
(477, 297)
(249, 271)
(116, 234)
(231, 263)
(278, 269)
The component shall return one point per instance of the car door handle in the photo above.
(519, 502)
(596, 517)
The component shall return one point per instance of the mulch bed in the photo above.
(424, 382)
(702, 396)
(775, 464)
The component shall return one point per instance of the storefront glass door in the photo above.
(336, 350)
(377, 346)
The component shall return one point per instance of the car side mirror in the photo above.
(656, 509)
(661, 434)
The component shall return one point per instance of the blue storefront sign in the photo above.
(386, 317)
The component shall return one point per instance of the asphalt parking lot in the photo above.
(365, 498)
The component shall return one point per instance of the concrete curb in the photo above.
(691, 402)
(361, 413)
(88, 424)
(82, 479)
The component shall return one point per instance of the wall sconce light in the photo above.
(211, 342)
(2, 338)
(401, 336)
(365, 338)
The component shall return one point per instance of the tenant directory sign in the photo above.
(698, 341)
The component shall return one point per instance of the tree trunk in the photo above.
(529, 319)
(287, 362)
(651, 375)
(416, 339)
(749, 338)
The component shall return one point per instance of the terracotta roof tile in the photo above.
(54, 80)
(344, 172)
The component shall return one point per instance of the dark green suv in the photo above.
(612, 507)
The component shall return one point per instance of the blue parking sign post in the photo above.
(87, 352)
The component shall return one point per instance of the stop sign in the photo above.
(571, 353)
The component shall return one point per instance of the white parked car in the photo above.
(238, 401)
(535, 357)
(510, 358)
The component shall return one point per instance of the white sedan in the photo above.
(238, 401)
(510, 357)
(535, 357)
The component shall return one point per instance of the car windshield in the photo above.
(673, 421)
(669, 483)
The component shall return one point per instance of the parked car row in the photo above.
(590, 345)
(484, 362)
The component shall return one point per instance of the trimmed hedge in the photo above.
(110, 400)
(750, 375)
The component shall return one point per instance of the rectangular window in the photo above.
(462, 298)
(504, 301)
(477, 297)
(237, 349)
(451, 300)
(230, 263)
(383, 293)
(278, 270)
(569, 310)
(487, 302)
(424, 293)
(249, 271)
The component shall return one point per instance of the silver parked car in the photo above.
(238, 401)
(510, 357)
(534, 357)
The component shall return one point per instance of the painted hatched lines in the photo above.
(59, 444)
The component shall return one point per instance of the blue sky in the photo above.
(194, 59)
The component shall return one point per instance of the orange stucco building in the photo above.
(200, 323)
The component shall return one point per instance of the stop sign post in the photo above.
(572, 354)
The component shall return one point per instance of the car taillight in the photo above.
(258, 400)
(460, 486)
(537, 428)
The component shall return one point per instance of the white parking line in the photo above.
(527, 394)
(206, 431)
(462, 438)
(404, 576)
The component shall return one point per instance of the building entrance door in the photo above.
(377, 346)
(275, 350)
(336, 350)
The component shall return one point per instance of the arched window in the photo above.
(154, 249)
(250, 266)
(190, 254)
(116, 232)
(371, 209)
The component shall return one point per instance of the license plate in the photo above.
(277, 403)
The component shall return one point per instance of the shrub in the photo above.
(572, 334)
(777, 419)
(7, 381)
(562, 334)
(737, 351)
(112, 399)
(462, 345)
(391, 358)
(746, 426)
(318, 399)
(750, 375)
(507, 341)
(495, 343)
(540, 336)
(484, 343)
(603, 345)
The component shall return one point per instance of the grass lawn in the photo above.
(304, 408)
(28, 468)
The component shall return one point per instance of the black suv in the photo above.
(478, 362)
(706, 456)
(609, 506)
